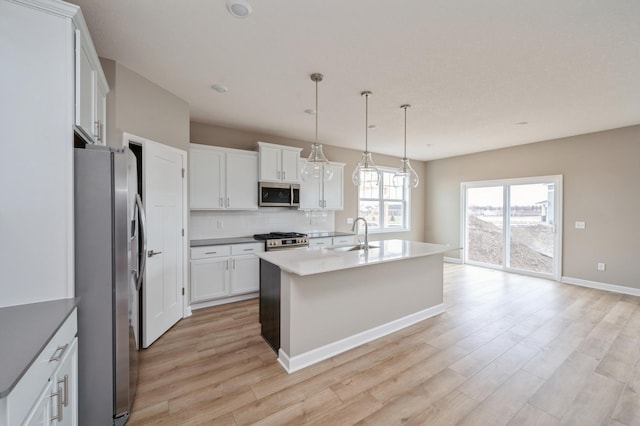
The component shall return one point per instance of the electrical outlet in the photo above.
(220, 224)
(349, 221)
(601, 266)
(581, 225)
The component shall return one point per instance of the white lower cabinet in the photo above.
(58, 402)
(47, 394)
(224, 270)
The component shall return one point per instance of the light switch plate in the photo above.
(601, 266)
(581, 225)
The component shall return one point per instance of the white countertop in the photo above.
(309, 261)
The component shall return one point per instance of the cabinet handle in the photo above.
(220, 202)
(234, 264)
(247, 249)
(227, 201)
(58, 396)
(65, 383)
(211, 252)
(319, 244)
(152, 253)
(96, 129)
(57, 355)
(226, 265)
(284, 175)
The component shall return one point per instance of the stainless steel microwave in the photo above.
(278, 194)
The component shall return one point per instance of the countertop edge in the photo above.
(440, 250)
(69, 305)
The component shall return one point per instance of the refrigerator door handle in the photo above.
(143, 234)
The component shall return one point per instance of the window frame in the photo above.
(406, 201)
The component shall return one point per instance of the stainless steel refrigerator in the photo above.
(109, 264)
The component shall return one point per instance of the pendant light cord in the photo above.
(316, 111)
(366, 123)
(405, 132)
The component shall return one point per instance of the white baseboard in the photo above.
(292, 364)
(452, 259)
(208, 304)
(601, 286)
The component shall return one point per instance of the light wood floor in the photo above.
(509, 350)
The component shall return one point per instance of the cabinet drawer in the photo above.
(349, 239)
(21, 398)
(238, 249)
(321, 242)
(210, 251)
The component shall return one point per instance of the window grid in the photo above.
(385, 206)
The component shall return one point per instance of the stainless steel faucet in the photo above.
(366, 232)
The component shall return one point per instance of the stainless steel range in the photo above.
(283, 240)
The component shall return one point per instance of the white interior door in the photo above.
(163, 200)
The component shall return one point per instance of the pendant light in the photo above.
(366, 170)
(314, 169)
(406, 174)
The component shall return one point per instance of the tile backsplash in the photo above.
(224, 224)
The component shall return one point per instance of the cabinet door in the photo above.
(207, 179)
(290, 169)
(309, 194)
(101, 114)
(85, 90)
(65, 381)
(242, 181)
(245, 274)
(270, 159)
(333, 189)
(43, 410)
(209, 278)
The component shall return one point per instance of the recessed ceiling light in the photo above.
(310, 111)
(522, 123)
(239, 8)
(220, 88)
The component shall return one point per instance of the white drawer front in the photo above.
(21, 398)
(320, 242)
(210, 251)
(349, 239)
(237, 249)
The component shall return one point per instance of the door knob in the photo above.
(152, 253)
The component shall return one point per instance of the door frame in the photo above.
(558, 213)
(139, 140)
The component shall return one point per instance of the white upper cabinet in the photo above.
(90, 91)
(324, 195)
(278, 163)
(38, 106)
(222, 178)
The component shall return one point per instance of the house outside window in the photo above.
(385, 206)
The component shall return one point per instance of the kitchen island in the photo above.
(318, 302)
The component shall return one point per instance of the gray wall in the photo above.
(601, 173)
(220, 136)
(137, 106)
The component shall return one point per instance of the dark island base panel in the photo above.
(270, 304)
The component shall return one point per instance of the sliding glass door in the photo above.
(514, 225)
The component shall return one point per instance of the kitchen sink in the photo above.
(352, 248)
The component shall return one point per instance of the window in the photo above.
(385, 206)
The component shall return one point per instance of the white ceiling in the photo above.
(470, 69)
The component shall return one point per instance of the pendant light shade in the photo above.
(366, 170)
(314, 168)
(405, 174)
